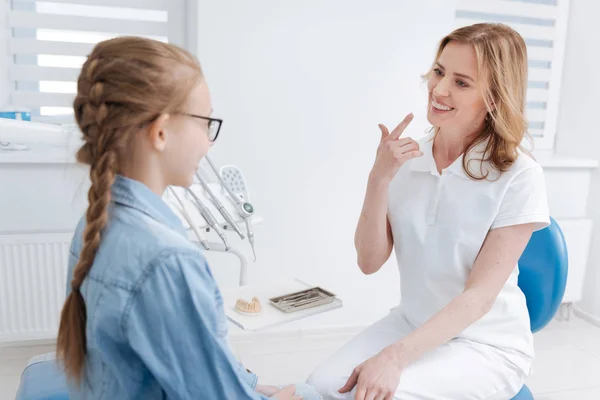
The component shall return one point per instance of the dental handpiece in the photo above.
(250, 235)
(220, 206)
(210, 219)
(190, 221)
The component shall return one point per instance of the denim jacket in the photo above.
(156, 328)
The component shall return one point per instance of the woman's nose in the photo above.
(441, 89)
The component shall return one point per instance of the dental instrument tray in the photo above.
(271, 316)
(301, 300)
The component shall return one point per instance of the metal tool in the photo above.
(302, 300)
(210, 219)
(190, 221)
(220, 206)
(243, 206)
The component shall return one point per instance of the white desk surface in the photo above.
(354, 314)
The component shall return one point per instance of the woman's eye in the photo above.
(461, 84)
(437, 71)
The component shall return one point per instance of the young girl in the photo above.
(144, 318)
(459, 208)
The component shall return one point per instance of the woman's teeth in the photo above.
(440, 106)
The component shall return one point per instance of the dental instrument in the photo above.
(234, 180)
(190, 221)
(301, 300)
(244, 207)
(209, 217)
(220, 206)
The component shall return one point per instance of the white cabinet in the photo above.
(568, 184)
(577, 234)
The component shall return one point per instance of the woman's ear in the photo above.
(492, 104)
(157, 132)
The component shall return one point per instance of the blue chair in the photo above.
(543, 269)
(542, 277)
(43, 379)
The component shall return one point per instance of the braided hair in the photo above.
(125, 84)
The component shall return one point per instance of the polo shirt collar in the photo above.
(426, 162)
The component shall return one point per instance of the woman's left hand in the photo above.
(375, 379)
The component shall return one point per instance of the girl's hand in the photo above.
(267, 390)
(393, 152)
(287, 393)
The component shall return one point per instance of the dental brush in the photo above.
(189, 219)
(210, 219)
(220, 206)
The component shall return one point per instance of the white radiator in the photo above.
(33, 271)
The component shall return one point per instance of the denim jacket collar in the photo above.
(131, 193)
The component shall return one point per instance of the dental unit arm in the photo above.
(209, 217)
(220, 206)
(207, 206)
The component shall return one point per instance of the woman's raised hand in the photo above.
(394, 151)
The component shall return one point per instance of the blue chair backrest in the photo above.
(543, 268)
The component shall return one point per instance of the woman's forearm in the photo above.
(373, 239)
(448, 323)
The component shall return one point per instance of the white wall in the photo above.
(301, 87)
(3, 51)
(578, 133)
(41, 198)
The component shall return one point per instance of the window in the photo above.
(543, 26)
(49, 41)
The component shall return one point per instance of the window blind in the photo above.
(49, 41)
(543, 26)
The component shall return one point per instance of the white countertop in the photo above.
(358, 311)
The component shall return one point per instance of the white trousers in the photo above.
(457, 370)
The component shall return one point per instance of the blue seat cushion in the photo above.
(543, 271)
(43, 379)
(524, 394)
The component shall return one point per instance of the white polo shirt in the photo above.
(439, 223)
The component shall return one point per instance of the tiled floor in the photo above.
(567, 365)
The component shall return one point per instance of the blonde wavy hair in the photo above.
(502, 72)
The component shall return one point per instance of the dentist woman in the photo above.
(458, 208)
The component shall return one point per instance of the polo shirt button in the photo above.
(433, 205)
